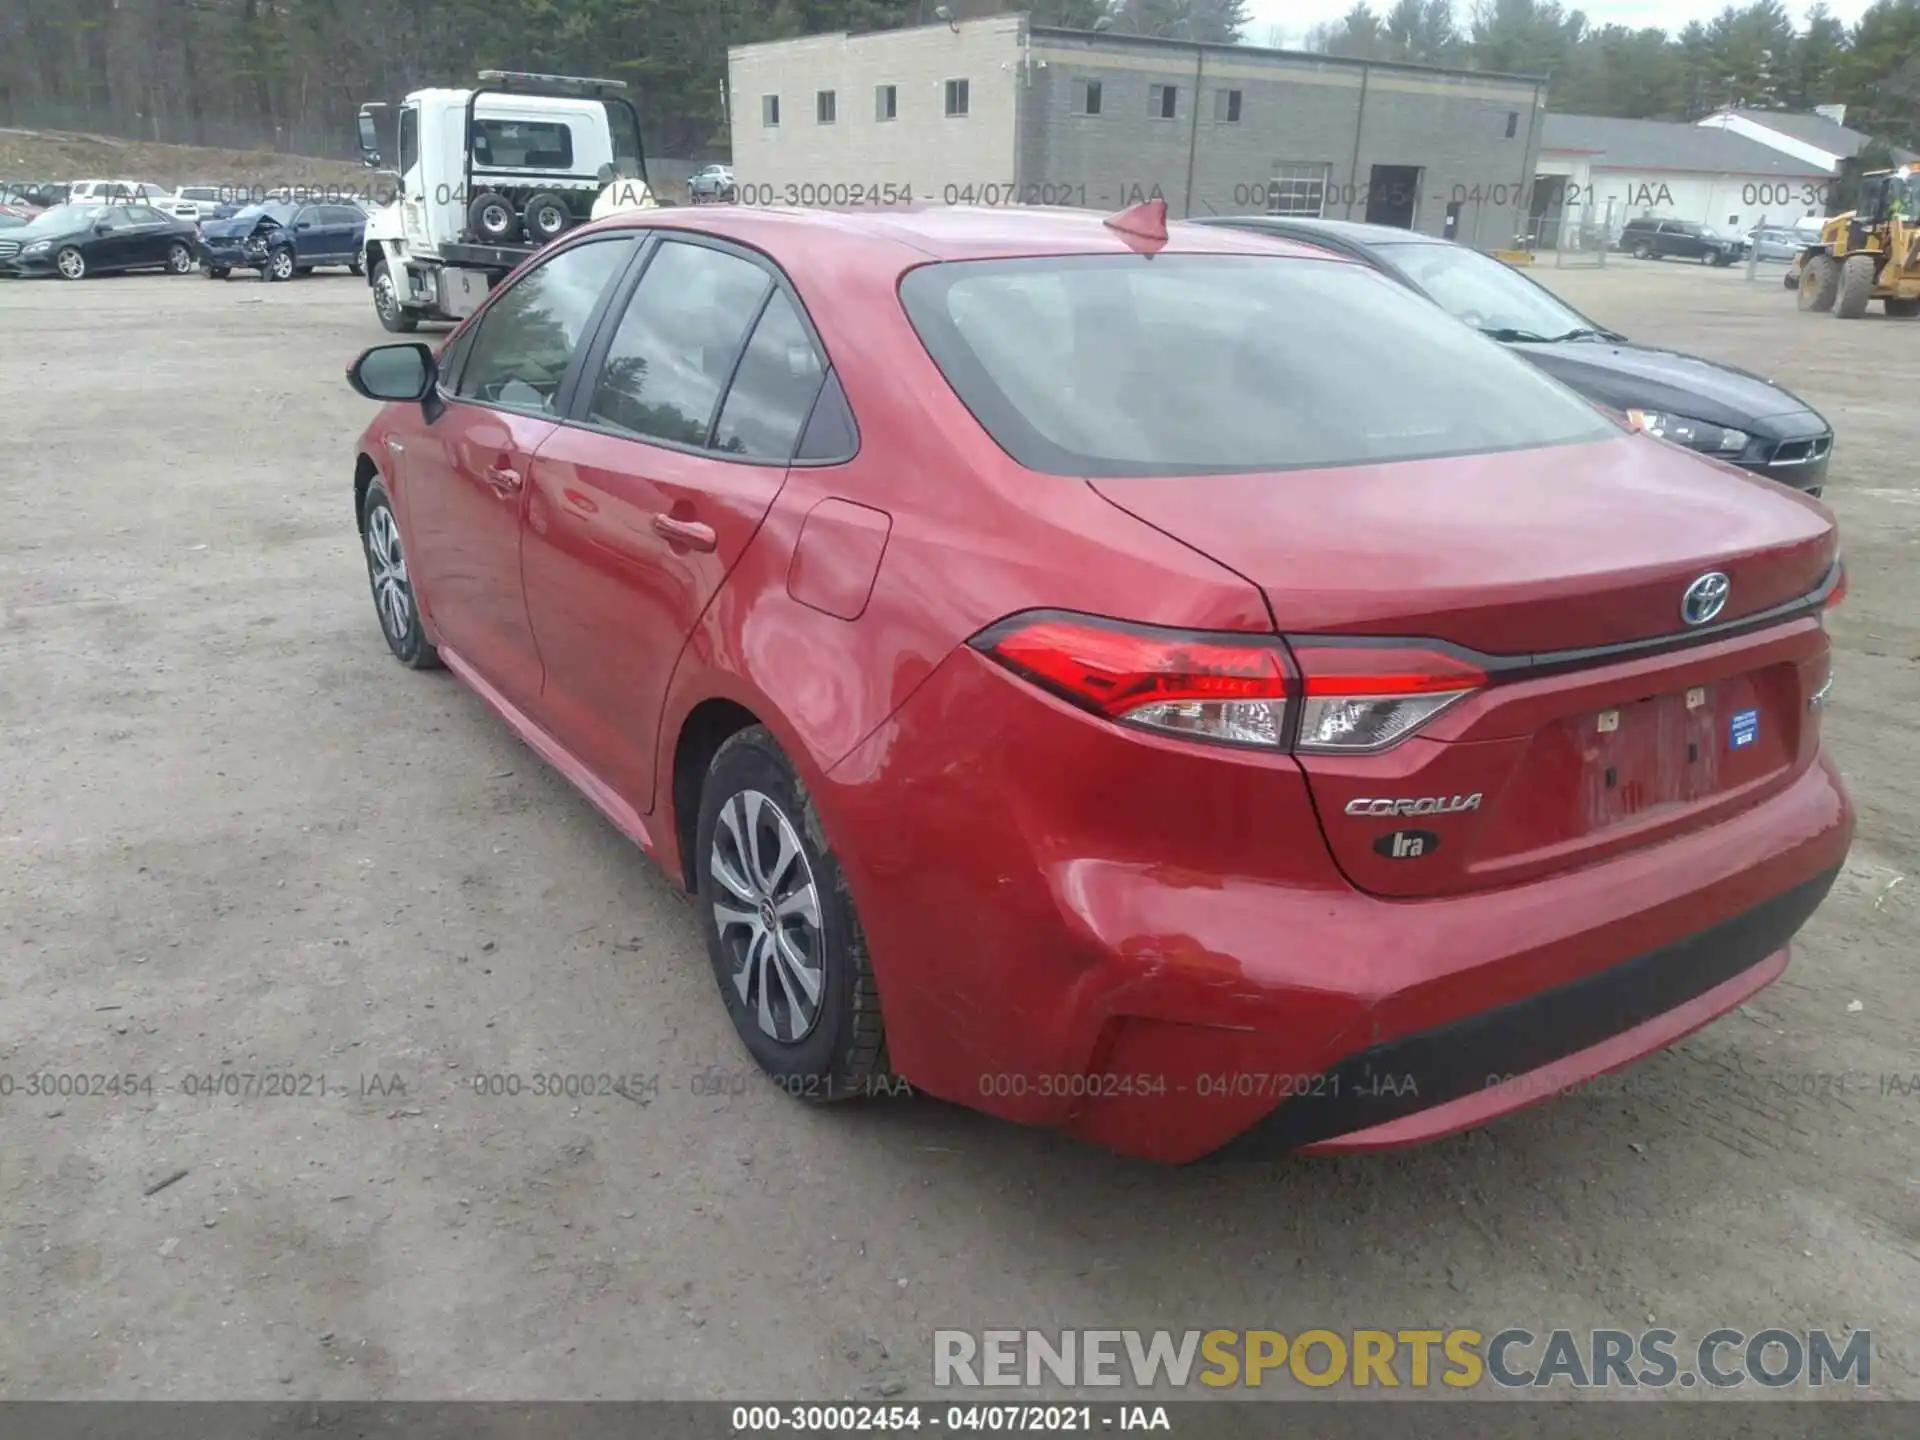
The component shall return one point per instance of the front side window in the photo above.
(1197, 364)
(528, 335)
(409, 139)
(677, 344)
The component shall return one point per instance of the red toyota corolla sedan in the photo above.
(1152, 681)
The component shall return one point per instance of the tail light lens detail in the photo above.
(1363, 698)
(1241, 690)
(1205, 687)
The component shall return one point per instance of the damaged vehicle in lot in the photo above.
(1063, 689)
(1718, 410)
(283, 238)
(75, 241)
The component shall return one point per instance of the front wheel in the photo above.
(386, 303)
(71, 264)
(1856, 286)
(787, 949)
(280, 265)
(215, 272)
(393, 598)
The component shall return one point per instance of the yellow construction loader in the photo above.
(1872, 252)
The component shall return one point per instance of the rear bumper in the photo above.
(1146, 943)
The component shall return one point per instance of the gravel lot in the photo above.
(236, 836)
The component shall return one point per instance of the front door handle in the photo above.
(690, 533)
(502, 479)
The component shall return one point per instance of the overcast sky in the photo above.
(1296, 17)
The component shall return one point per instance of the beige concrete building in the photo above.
(997, 111)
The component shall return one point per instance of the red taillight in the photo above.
(1210, 687)
(1363, 697)
(1351, 696)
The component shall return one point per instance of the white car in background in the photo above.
(146, 192)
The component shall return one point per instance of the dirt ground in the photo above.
(236, 837)
(64, 155)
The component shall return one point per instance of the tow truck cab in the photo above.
(483, 177)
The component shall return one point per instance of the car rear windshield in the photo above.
(1195, 364)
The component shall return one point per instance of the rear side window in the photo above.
(528, 335)
(678, 343)
(523, 144)
(1185, 364)
(773, 390)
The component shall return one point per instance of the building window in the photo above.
(1297, 190)
(956, 97)
(769, 109)
(823, 107)
(1162, 100)
(886, 102)
(1513, 123)
(1226, 106)
(1086, 97)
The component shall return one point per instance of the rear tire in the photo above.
(392, 584)
(216, 272)
(386, 303)
(179, 260)
(547, 218)
(1819, 283)
(801, 990)
(1901, 309)
(491, 216)
(1642, 251)
(1856, 287)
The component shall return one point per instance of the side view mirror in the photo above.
(393, 372)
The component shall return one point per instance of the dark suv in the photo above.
(1681, 240)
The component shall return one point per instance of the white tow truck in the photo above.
(483, 177)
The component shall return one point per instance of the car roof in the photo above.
(911, 234)
(1352, 232)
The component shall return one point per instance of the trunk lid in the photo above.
(1520, 556)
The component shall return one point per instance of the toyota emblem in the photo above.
(1705, 598)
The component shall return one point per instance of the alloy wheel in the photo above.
(767, 912)
(180, 260)
(72, 264)
(282, 263)
(392, 595)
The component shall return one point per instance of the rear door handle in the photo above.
(502, 479)
(690, 533)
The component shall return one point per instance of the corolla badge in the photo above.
(1705, 598)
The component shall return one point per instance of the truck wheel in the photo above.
(491, 216)
(1856, 287)
(1819, 282)
(386, 302)
(547, 217)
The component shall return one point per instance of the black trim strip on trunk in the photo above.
(1371, 1086)
(1501, 668)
